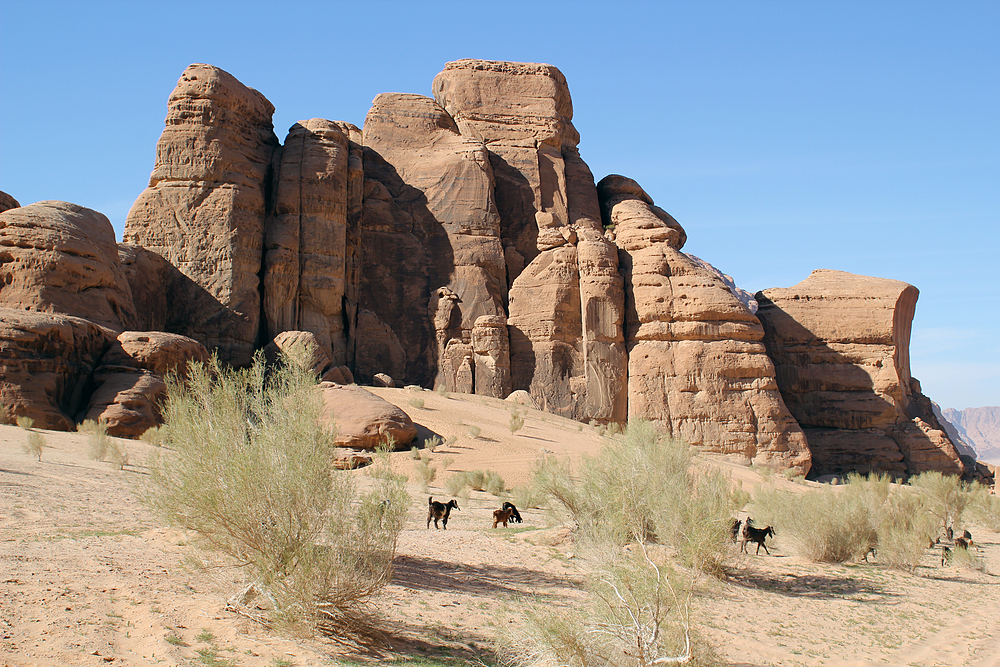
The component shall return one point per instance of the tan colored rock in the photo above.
(46, 360)
(159, 352)
(840, 344)
(204, 208)
(696, 364)
(129, 403)
(151, 280)
(7, 202)
(317, 359)
(363, 420)
(306, 243)
(57, 257)
(521, 397)
(491, 351)
(439, 185)
(339, 375)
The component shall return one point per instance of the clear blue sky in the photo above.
(783, 136)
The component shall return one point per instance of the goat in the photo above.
(439, 511)
(515, 516)
(502, 516)
(758, 535)
(967, 535)
(962, 543)
(735, 528)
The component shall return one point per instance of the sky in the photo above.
(783, 136)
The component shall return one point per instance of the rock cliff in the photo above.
(840, 345)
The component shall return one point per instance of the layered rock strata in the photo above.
(57, 257)
(204, 208)
(696, 363)
(840, 345)
(565, 300)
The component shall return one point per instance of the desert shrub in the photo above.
(650, 526)
(986, 508)
(101, 446)
(446, 462)
(527, 496)
(416, 402)
(473, 431)
(516, 421)
(479, 480)
(426, 473)
(249, 470)
(969, 559)
(947, 496)
(432, 443)
(27, 423)
(35, 445)
(155, 436)
(451, 440)
(442, 391)
(905, 530)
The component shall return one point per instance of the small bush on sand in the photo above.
(155, 436)
(947, 496)
(516, 422)
(986, 509)
(426, 473)
(651, 526)
(101, 446)
(479, 480)
(27, 423)
(249, 470)
(416, 402)
(473, 431)
(35, 445)
(527, 496)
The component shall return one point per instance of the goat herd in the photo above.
(437, 511)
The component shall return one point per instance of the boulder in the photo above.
(363, 420)
(383, 380)
(7, 202)
(305, 261)
(156, 351)
(46, 361)
(696, 363)
(129, 403)
(317, 359)
(840, 344)
(204, 208)
(57, 257)
(521, 397)
(339, 375)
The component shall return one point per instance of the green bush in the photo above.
(947, 496)
(249, 470)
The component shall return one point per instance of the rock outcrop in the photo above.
(157, 352)
(127, 402)
(696, 361)
(7, 202)
(980, 427)
(46, 361)
(565, 301)
(840, 344)
(304, 347)
(57, 257)
(364, 420)
(204, 208)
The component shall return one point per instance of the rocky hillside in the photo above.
(457, 242)
(980, 427)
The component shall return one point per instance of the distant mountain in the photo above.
(978, 427)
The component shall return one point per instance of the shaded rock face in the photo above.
(46, 361)
(840, 345)
(565, 299)
(7, 202)
(204, 208)
(57, 257)
(696, 363)
(305, 265)
(128, 403)
(980, 427)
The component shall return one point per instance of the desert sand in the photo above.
(91, 578)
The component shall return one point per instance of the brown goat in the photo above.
(502, 516)
(439, 512)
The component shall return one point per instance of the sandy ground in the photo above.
(88, 577)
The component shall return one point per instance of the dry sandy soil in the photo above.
(90, 578)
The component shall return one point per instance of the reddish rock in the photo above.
(57, 257)
(339, 375)
(696, 363)
(129, 403)
(158, 352)
(363, 420)
(151, 280)
(45, 365)
(205, 205)
(7, 202)
(840, 344)
(317, 359)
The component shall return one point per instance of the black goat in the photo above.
(735, 528)
(439, 511)
(758, 535)
(515, 516)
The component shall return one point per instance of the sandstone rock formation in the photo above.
(45, 364)
(840, 344)
(304, 347)
(127, 402)
(305, 265)
(158, 352)
(363, 420)
(981, 427)
(565, 300)
(204, 208)
(57, 257)
(150, 279)
(7, 202)
(696, 363)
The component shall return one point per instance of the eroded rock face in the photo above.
(57, 257)
(7, 202)
(205, 205)
(696, 363)
(840, 345)
(158, 352)
(128, 403)
(364, 420)
(46, 360)
(565, 301)
(305, 266)
(304, 343)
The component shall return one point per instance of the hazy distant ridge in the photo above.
(979, 427)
